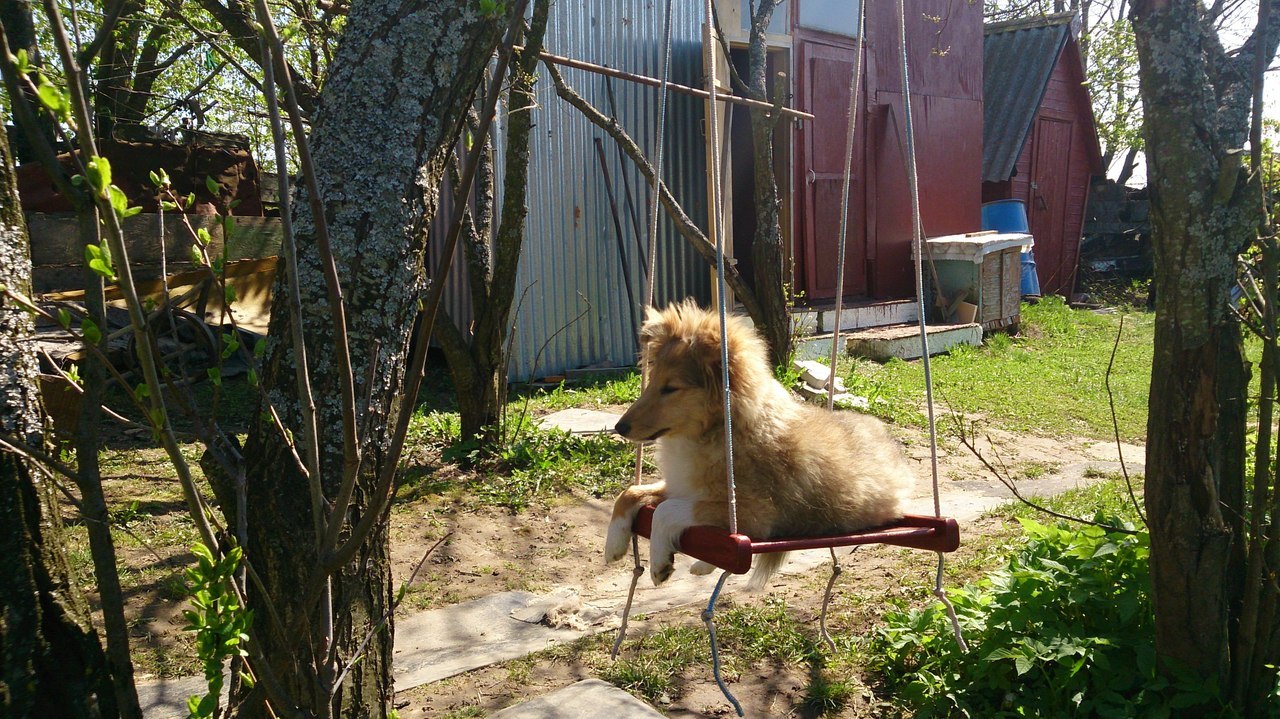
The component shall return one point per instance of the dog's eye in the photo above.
(668, 389)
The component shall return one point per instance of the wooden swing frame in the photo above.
(734, 552)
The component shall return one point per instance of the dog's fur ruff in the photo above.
(799, 470)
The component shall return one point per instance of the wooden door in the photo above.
(824, 74)
(1047, 203)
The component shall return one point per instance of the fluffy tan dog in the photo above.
(799, 470)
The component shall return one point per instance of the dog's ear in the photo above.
(704, 346)
(655, 327)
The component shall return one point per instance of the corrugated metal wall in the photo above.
(575, 311)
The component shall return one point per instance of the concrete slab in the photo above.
(435, 645)
(587, 699)
(903, 341)
(582, 421)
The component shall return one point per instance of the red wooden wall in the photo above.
(945, 49)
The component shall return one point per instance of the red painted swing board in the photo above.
(733, 552)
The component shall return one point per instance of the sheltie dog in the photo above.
(799, 470)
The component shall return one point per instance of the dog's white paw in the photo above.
(618, 539)
(670, 520)
(700, 568)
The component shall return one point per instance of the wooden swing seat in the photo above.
(733, 552)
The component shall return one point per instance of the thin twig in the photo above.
(386, 617)
(1115, 425)
(1009, 484)
(351, 448)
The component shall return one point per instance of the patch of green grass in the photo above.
(1108, 496)
(751, 635)
(827, 694)
(1050, 379)
(536, 464)
(1035, 470)
(618, 388)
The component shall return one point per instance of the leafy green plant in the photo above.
(1065, 629)
(221, 624)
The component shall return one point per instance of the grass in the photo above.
(1048, 380)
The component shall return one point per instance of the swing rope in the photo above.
(713, 132)
(637, 570)
(917, 233)
(855, 87)
(713, 137)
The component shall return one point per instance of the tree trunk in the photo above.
(51, 664)
(392, 106)
(478, 364)
(1203, 214)
(768, 251)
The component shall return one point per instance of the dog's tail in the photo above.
(765, 566)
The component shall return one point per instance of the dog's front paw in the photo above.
(615, 544)
(661, 571)
(670, 520)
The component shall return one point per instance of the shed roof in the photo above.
(1018, 58)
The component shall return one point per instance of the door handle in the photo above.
(811, 176)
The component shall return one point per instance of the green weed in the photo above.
(1064, 629)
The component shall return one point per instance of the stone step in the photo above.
(903, 340)
(821, 319)
(587, 699)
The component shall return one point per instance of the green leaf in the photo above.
(98, 172)
(1023, 665)
(142, 391)
(260, 347)
(229, 292)
(119, 200)
(203, 236)
(215, 376)
(90, 330)
(252, 377)
(22, 63)
(64, 318)
(214, 188)
(197, 257)
(191, 200)
(168, 206)
(229, 345)
(54, 100)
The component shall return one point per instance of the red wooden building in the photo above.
(1040, 144)
(816, 42)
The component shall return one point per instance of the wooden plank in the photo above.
(54, 239)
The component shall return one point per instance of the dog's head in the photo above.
(680, 355)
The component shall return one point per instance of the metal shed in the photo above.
(572, 306)
(1040, 144)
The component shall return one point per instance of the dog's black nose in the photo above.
(622, 428)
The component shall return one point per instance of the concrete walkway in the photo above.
(434, 645)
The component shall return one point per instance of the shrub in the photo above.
(1065, 629)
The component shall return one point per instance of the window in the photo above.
(839, 17)
(777, 24)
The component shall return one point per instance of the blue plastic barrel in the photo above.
(1005, 216)
(1011, 216)
(1030, 284)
